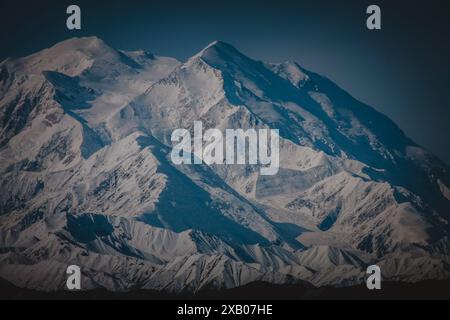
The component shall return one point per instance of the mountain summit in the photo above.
(87, 178)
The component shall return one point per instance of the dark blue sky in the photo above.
(401, 70)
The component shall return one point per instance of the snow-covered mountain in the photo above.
(86, 176)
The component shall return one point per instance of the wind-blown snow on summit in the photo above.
(87, 178)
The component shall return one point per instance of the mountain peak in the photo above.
(76, 48)
(218, 44)
(218, 47)
(77, 43)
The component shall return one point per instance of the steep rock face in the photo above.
(87, 179)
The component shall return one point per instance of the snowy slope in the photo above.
(87, 178)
